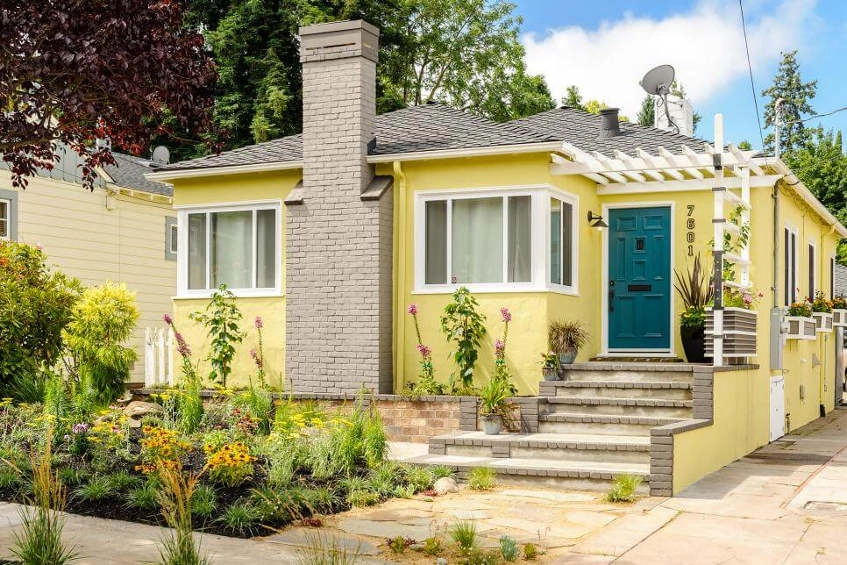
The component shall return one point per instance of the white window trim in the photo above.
(540, 195)
(7, 219)
(793, 293)
(182, 248)
(813, 276)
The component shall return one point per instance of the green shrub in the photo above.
(482, 478)
(72, 476)
(143, 497)
(320, 499)
(508, 549)
(282, 505)
(441, 471)
(190, 406)
(258, 404)
(203, 501)
(240, 517)
(97, 488)
(103, 319)
(35, 304)
(463, 324)
(530, 551)
(121, 481)
(623, 489)
(9, 478)
(432, 546)
(419, 478)
(344, 447)
(464, 536)
(361, 498)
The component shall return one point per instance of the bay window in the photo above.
(495, 240)
(236, 246)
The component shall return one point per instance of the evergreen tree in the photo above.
(647, 114)
(797, 96)
(573, 98)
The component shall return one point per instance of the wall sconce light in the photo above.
(596, 221)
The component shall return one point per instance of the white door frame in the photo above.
(604, 283)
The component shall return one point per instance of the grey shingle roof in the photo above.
(431, 127)
(129, 173)
(580, 129)
(435, 127)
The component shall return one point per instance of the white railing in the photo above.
(158, 357)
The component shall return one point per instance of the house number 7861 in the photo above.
(690, 224)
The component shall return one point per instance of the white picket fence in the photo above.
(158, 357)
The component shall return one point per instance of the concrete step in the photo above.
(671, 390)
(656, 407)
(628, 372)
(600, 424)
(572, 447)
(551, 473)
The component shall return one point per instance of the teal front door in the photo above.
(639, 285)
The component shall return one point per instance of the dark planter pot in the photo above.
(694, 344)
(550, 373)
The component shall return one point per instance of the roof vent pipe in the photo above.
(609, 126)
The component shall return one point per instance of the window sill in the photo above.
(492, 289)
(236, 293)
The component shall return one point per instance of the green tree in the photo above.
(797, 96)
(647, 114)
(744, 145)
(573, 98)
(221, 319)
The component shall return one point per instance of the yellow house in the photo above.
(123, 231)
(330, 235)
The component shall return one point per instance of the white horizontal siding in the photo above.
(86, 240)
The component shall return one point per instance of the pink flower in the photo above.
(499, 346)
(259, 323)
(412, 309)
(182, 345)
(506, 315)
(256, 358)
(424, 350)
(167, 319)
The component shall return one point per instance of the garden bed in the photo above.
(259, 470)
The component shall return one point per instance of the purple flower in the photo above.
(66, 437)
(412, 309)
(182, 345)
(506, 315)
(499, 346)
(424, 350)
(167, 319)
(259, 323)
(80, 428)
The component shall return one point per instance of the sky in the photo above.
(605, 47)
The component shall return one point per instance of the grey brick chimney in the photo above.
(339, 227)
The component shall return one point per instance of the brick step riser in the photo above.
(560, 483)
(607, 392)
(555, 453)
(628, 376)
(618, 410)
(593, 428)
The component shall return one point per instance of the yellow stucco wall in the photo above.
(238, 189)
(742, 398)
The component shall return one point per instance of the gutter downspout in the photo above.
(776, 239)
(400, 227)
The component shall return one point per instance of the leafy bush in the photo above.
(103, 319)
(35, 304)
(441, 471)
(121, 481)
(463, 324)
(623, 489)
(348, 444)
(144, 497)
(482, 478)
(221, 319)
(530, 551)
(97, 488)
(258, 404)
(419, 478)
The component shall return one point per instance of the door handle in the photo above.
(611, 300)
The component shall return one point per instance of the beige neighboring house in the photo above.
(123, 231)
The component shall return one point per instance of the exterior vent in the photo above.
(609, 126)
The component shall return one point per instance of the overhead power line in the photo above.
(825, 114)
(750, 71)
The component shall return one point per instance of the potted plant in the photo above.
(822, 312)
(801, 324)
(839, 311)
(493, 402)
(566, 338)
(550, 366)
(694, 290)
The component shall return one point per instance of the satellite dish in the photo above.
(658, 80)
(161, 155)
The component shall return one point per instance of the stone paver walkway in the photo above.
(786, 503)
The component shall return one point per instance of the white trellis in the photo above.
(158, 357)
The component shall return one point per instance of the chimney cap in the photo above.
(609, 125)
